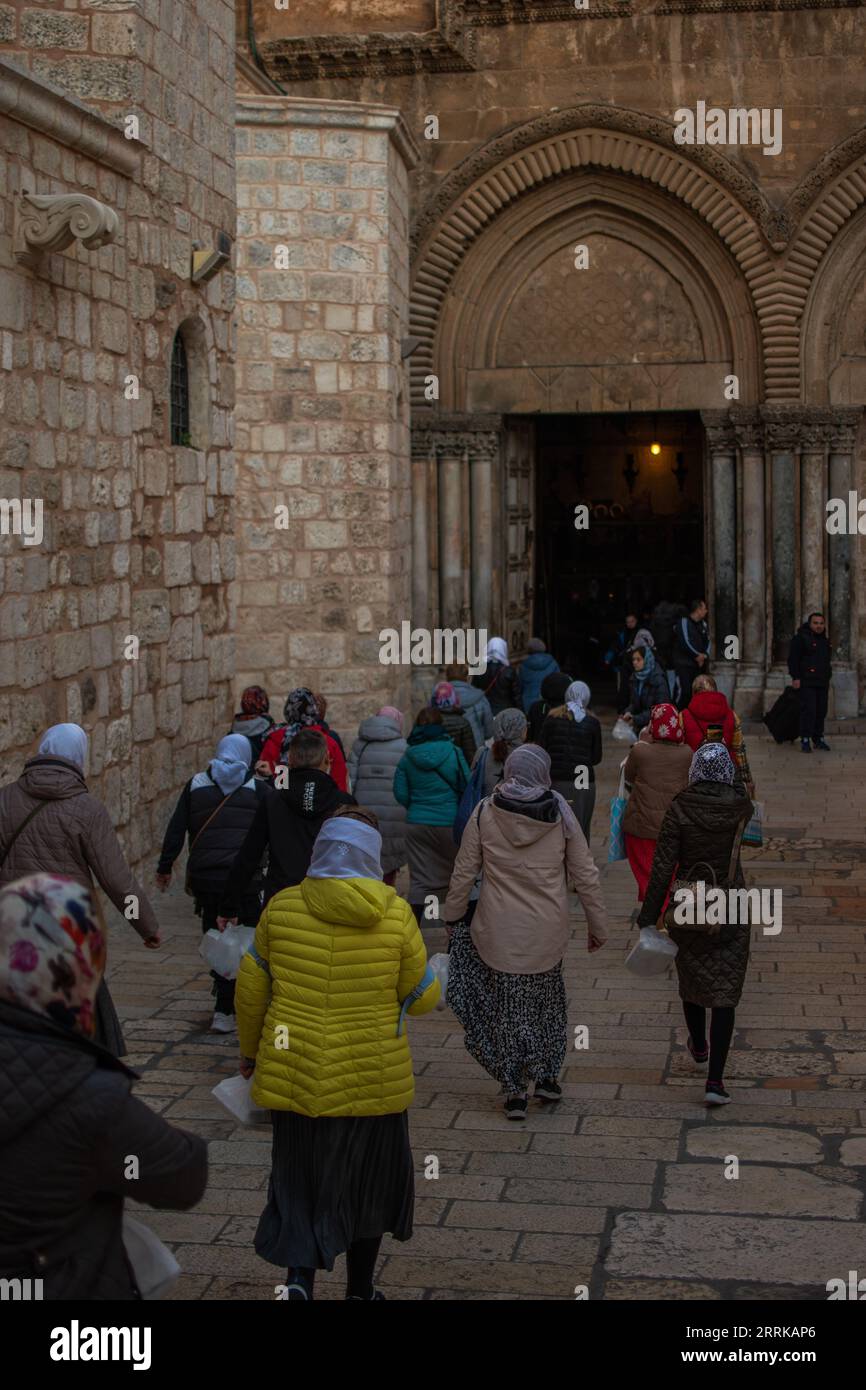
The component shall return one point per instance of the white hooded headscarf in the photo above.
(67, 741)
(346, 848)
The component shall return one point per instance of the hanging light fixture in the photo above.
(655, 448)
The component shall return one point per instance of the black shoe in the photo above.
(549, 1090)
(515, 1107)
(822, 744)
(375, 1297)
(805, 746)
(715, 1094)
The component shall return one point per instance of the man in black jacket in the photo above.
(811, 671)
(691, 648)
(286, 824)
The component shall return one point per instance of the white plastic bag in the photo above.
(652, 953)
(225, 950)
(233, 1093)
(623, 732)
(439, 965)
(154, 1266)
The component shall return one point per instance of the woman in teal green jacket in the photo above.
(429, 781)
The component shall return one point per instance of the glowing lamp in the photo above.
(655, 448)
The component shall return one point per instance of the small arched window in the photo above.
(180, 406)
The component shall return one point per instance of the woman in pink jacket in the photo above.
(505, 977)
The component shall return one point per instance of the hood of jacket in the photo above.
(52, 779)
(311, 793)
(713, 806)
(40, 1064)
(468, 694)
(347, 902)
(251, 726)
(520, 830)
(428, 756)
(709, 707)
(539, 663)
(378, 728)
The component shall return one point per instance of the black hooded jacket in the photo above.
(286, 825)
(68, 1127)
(809, 657)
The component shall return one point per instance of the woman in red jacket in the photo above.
(301, 711)
(709, 717)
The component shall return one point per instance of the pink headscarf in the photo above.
(389, 712)
(445, 696)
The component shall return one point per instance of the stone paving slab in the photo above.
(621, 1187)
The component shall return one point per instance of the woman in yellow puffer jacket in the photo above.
(321, 1001)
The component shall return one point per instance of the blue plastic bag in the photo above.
(616, 845)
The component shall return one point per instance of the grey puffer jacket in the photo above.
(372, 762)
(72, 834)
(68, 1126)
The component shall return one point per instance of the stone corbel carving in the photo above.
(53, 221)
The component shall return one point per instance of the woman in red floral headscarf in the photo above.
(655, 770)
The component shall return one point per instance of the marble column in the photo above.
(421, 455)
(481, 472)
(842, 616)
(721, 443)
(813, 518)
(450, 470)
(782, 433)
(751, 672)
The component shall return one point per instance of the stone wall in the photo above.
(322, 415)
(138, 535)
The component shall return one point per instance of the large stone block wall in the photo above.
(322, 414)
(138, 535)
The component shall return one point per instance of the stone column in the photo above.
(751, 672)
(782, 434)
(813, 518)
(842, 617)
(421, 456)
(451, 464)
(722, 447)
(481, 466)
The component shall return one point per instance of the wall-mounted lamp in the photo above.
(681, 472)
(655, 449)
(630, 472)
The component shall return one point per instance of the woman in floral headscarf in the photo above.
(700, 830)
(68, 1120)
(655, 770)
(302, 711)
(457, 726)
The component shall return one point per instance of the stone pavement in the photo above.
(621, 1187)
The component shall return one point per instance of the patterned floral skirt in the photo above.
(514, 1025)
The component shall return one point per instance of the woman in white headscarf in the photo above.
(50, 823)
(500, 682)
(505, 979)
(322, 999)
(215, 810)
(572, 737)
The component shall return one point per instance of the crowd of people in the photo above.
(287, 835)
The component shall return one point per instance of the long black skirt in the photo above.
(335, 1180)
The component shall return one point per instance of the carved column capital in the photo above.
(783, 427)
(720, 433)
(449, 436)
(53, 221)
(748, 428)
(842, 428)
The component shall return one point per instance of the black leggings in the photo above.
(361, 1259)
(721, 1032)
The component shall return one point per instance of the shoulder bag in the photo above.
(188, 881)
(691, 882)
(26, 821)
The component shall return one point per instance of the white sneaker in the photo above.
(222, 1023)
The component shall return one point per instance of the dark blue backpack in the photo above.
(473, 793)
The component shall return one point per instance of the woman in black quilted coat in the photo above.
(572, 737)
(699, 828)
(69, 1123)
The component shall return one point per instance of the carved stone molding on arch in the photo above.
(514, 168)
(605, 124)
